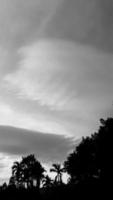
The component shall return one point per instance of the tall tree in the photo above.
(27, 172)
(81, 164)
(59, 171)
(32, 170)
(91, 157)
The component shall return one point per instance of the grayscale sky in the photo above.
(56, 75)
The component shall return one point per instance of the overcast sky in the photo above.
(56, 75)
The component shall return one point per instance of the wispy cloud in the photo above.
(63, 79)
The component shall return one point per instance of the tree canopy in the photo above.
(27, 172)
(90, 159)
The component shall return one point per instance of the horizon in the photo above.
(56, 75)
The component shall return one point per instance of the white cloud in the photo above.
(14, 117)
(36, 71)
(61, 75)
(67, 85)
(6, 162)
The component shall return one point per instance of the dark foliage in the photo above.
(27, 173)
(91, 158)
(89, 167)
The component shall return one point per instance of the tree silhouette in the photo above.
(4, 186)
(90, 159)
(89, 167)
(59, 171)
(32, 170)
(104, 149)
(47, 181)
(17, 174)
(28, 172)
(81, 163)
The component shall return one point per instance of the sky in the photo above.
(56, 76)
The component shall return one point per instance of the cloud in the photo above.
(51, 73)
(20, 24)
(88, 22)
(37, 69)
(15, 143)
(65, 85)
(6, 162)
(21, 21)
(47, 147)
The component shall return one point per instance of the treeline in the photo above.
(88, 167)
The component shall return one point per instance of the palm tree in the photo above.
(47, 181)
(59, 171)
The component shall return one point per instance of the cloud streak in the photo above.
(47, 147)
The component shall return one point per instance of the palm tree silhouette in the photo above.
(59, 171)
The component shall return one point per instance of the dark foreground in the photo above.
(90, 191)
